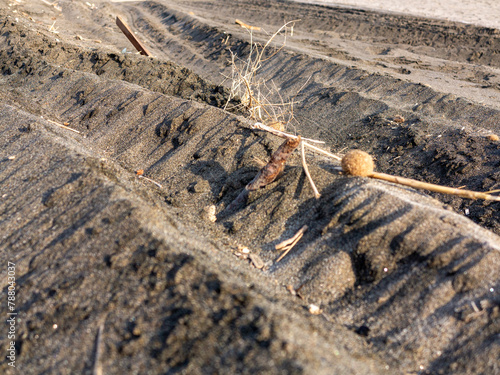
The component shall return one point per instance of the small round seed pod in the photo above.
(357, 163)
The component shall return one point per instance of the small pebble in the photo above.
(493, 137)
(256, 261)
(315, 310)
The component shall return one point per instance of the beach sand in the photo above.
(114, 165)
(477, 12)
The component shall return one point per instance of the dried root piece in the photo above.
(360, 163)
(268, 173)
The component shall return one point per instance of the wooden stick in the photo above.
(244, 25)
(435, 188)
(317, 195)
(130, 36)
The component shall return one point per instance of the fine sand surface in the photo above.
(478, 12)
(121, 274)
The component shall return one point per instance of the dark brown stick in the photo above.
(130, 36)
(268, 173)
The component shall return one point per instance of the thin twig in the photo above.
(246, 26)
(289, 244)
(435, 188)
(492, 191)
(150, 180)
(61, 125)
(317, 195)
(271, 39)
(321, 151)
(261, 126)
(291, 240)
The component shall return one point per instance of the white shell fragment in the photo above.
(314, 309)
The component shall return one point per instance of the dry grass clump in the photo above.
(259, 97)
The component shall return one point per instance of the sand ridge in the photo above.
(405, 282)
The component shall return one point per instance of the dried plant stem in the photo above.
(268, 173)
(317, 195)
(321, 151)
(435, 188)
(246, 26)
(279, 133)
(293, 239)
(249, 92)
(150, 180)
(61, 125)
(492, 191)
(253, 93)
(289, 244)
(97, 368)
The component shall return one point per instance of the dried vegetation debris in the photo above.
(431, 271)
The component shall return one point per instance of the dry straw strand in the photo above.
(289, 244)
(246, 26)
(317, 195)
(360, 163)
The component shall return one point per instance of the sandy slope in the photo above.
(478, 12)
(406, 282)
